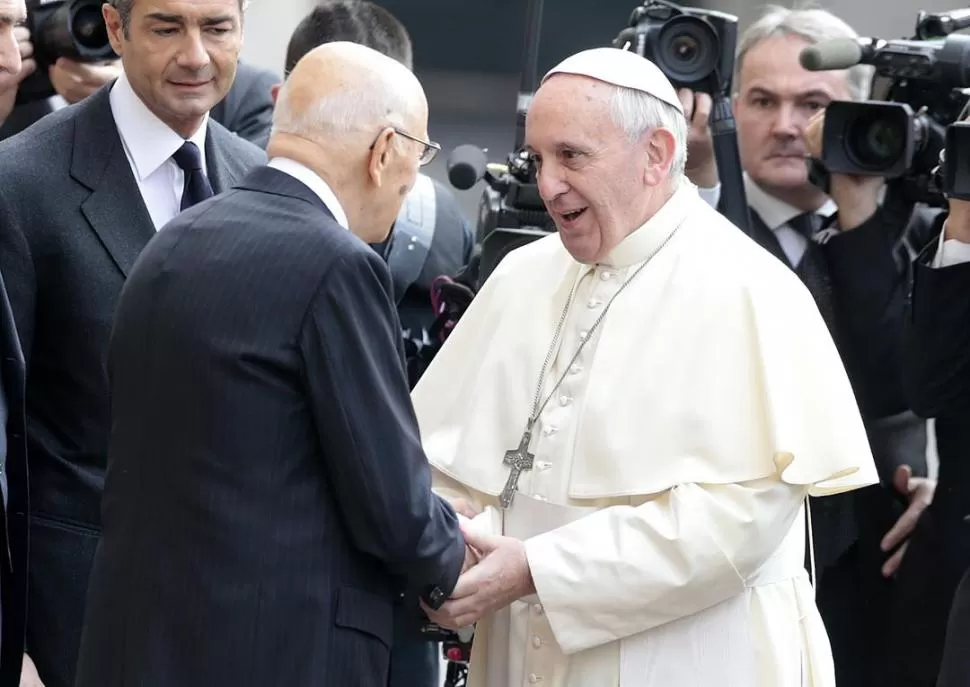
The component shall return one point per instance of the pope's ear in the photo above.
(660, 149)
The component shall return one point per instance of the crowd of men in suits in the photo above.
(177, 120)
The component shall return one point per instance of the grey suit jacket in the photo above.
(247, 110)
(72, 223)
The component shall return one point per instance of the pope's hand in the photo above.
(501, 577)
(471, 559)
(463, 507)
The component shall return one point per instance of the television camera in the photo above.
(911, 123)
(63, 28)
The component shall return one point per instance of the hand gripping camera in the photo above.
(63, 28)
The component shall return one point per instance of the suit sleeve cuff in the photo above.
(435, 595)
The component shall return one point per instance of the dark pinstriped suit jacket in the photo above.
(267, 498)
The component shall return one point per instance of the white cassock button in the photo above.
(537, 641)
(594, 303)
(606, 276)
(543, 465)
(549, 429)
(583, 335)
(575, 369)
(537, 609)
(565, 400)
(533, 678)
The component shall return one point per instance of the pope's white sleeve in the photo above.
(624, 570)
(489, 518)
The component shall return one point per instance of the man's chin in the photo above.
(784, 178)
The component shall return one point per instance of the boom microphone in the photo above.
(838, 53)
(466, 166)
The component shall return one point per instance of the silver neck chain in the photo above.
(539, 405)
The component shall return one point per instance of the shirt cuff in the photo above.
(711, 196)
(951, 252)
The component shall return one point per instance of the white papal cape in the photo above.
(664, 519)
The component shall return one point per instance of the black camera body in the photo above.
(901, 131)
(693, 47)
(510, 214)
(74, 29)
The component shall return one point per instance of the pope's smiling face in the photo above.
(596, 181)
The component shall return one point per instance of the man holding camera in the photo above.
(844, 246)
(938, 380)
(84, 190)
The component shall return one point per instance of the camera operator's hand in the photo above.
(75, 81)
(918, 492)
(9, 83)
(958, 221)
(857, 197)
(701, 164)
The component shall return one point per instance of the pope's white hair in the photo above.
(812, 25)
(371, 102)
(635, 112)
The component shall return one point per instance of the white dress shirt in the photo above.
(315, 183)
(951, 252)
(149, 145)
(775, 213)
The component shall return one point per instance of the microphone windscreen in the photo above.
(466, 166)
(838, 53)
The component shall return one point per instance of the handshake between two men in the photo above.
(495, 573)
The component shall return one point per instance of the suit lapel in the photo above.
(764, 235)
(115, 209)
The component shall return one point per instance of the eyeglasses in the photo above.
(428, 152)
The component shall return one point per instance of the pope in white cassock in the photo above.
(637, 408)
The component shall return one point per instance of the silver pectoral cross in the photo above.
(518, 460)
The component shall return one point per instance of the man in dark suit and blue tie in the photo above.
(84, 190)
(267, 498)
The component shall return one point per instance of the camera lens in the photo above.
(687, 49)
(88, 28)
(875, 142)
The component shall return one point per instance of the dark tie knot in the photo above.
(807, 224)
(188, 157)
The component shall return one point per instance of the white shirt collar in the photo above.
(777, 213)
(650, 236)
(147, 139)
(315, 183)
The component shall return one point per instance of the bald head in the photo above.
(343, 88)
(358, 119)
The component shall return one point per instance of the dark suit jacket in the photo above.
(267, 496)
(938, 380)
(72, 222)
(247, 110)
(13, 520)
